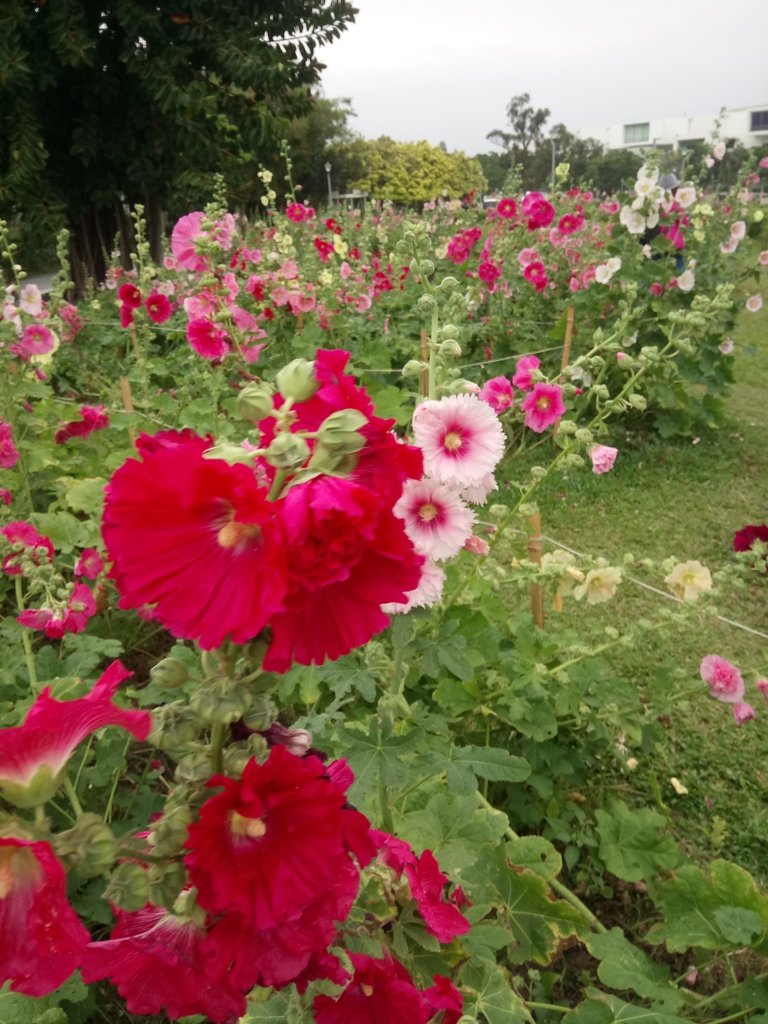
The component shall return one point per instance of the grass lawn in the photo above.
(685, 500)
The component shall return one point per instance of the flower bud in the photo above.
(128, 887)
(221, 700)
(567, 427)
(425, 302)
(237, 755)
(231, 453)
(169, 832)
(637, 402)
(413, 369)
(426, 268)
(584, 436)
(450, 348)
(169, 673)
(340, 432)
(449, 331)
(254, 402)
(262, 712)
(173, 726)
(166, 882)
(193, 768)
(287, 451)
(297, 380)
(88, 847)
(448, 284)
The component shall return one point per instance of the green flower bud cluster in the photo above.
(287, 451)
(128, 886)
(340, 432)
(296, 382)
(88, 847)
(169, 673)
(413, 369)
(254, 402)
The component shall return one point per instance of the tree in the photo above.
(614, 171)
(109, 103)
(568, 149)
(408, 172)
(527, 126)
(314, 139)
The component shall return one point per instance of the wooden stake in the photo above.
(534, 555)
(570, 315)
(424, 359)
(125, 391)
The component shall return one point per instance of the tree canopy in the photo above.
(105, 103)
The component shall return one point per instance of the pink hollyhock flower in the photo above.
(497, 392)
(324, 249)
(526, 256)
(726, 684)
(129, 295)
(536, 274)
(31, 300)
(543, 406)
(9, 453)
(195, 537)
(443, 997)
(427, 592)
(36, 340)
(478, 493)
(186, 233)
(754, 303)
(163, 962)
(476, 545)
(41, 939)
(460, 437)
(207, 339)
(488, 272)
(94, 417)
(603, 458)
(539, 211)
(738, 230)
(726, 346)
(426, 882)
(569, 223)
(709, 162)
(381, 992)
(159, 308)
(762, 259)
(24, 539)
(763, 163)
(363, 303)
(436, 519)
(285, 831)
(524, 368)
(730, 246)
(6, 496)
(72, 618)
(718, 150)
(89, 564)
(656, 289)
(34, 755)
(70, 317)
(762, 685)
(506, 208)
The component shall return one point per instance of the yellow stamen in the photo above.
(428, 512)
(366, 989)
(253, 828)
(452, 441)
(542, 403)
(234, 533)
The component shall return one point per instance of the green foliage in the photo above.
(633, 845)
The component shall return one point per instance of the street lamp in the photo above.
(552, 144)
(330, 190)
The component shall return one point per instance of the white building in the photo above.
(748, 125)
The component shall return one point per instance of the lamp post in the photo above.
(552, 144)
(330, 189)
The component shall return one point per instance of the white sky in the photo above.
(444, 70)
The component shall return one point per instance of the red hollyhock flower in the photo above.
(275, 841)
(24, 538)
(506, 208)
(208, 340)
(381, 992)
(445, 997)
(539, 211)
(195, 537)
(129, 295)
(159, 308)
(33, 755)
(94, 417)
(159, 961)
(744, 538)
(442, 918)
(72, 618)
(41, 939)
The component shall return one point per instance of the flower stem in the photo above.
(217, 746)
(26, 643)
(72, 796)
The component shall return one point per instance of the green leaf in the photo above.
(602, 1008)
(375, 756)
(458, 697)
(450, 654)
(492, 763)
(455, 829)
(627, 968)
(490, 992)
(87, 496)
(632, 843)
(537, 854)
(19, 1009)
(65, 531)
(525, 903)
(714, 912)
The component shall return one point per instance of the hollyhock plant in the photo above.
(381, 992)
(31, 300)
(460, 437)
(24, 540)
(34, 755)
(70, 618)
(726, 683)
(506, 208)
(543, 406)
(36, 340)
(436, 519)
(160, 961)
(189, 230)
(523, 379)
(42, 941)
(284, 830)
(602, 457)
(689, 580)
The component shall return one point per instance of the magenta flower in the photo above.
(208, 340)
(159, 308)
(94, 417)
(130, 295)
(9, 453)
(497, 392)
(726, 684)
(539, 211)
(72, 618)
(188, 230)
(90, 564)
(42, 941)
(34, 755)
(506, 208)
(24, 540)
(523, 379)
(36, 340)
(426, 880)
(603, 458)
(543, 406)
(460, 437)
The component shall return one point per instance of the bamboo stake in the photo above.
(535, 545)
(125, 391)
(424, 359)
(570, 315)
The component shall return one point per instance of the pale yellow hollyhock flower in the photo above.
(600, 585)
(564, 561)
(340, 247)
(689, 579)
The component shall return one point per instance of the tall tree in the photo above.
(107, 103)
(526, 125)
(314, 139)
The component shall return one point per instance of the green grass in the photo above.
(685, 500)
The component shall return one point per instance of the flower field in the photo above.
(305, 717)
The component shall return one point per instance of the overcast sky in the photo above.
(444, 70)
